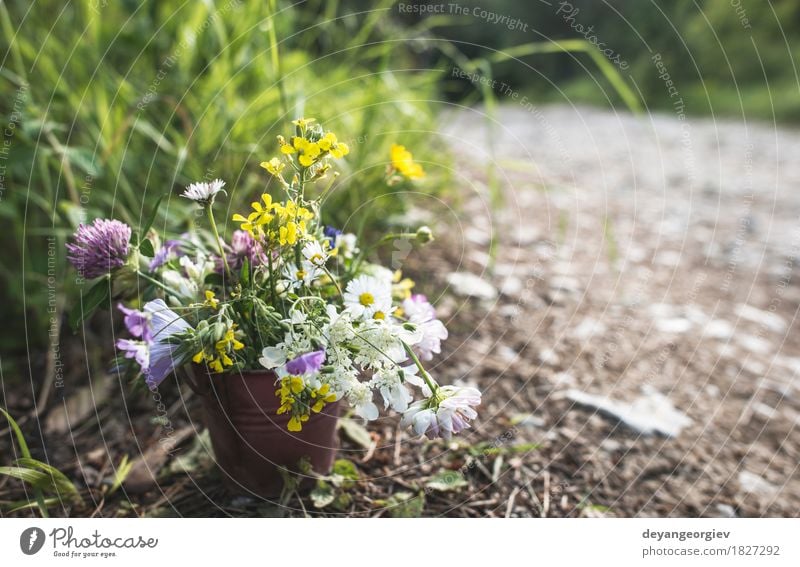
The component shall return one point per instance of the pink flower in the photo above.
(448, 411)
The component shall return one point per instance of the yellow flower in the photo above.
(403, 162)
(288, 234)
(294, 424)
(285, 147)
(337, 149)
(303, 123)
(309, 151)
(211, 301)
(261, 215)
(229, 340)
(273, 166)
(402, 288)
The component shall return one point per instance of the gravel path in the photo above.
(653, 261)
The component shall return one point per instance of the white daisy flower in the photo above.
(315, 253)
(204, 193)
(346, 243)
(295, 277)
(367, 296)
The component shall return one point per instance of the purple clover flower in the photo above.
(99, 247)
(307, 363)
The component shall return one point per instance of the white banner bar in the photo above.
(329, 542)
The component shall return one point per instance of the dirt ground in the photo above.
(619, 256)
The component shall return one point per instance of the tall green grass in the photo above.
(116, 104)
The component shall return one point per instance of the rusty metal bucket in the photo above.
(251, 442)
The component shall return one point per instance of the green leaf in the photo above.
(146, 248)
(37, 479)
(356, 432)
(123, 470)
(445, 481)
(59, 481)
(152, 218)
(23, 446)
(405, 505)
(323, 494)
(346, 469)
(90, 301)
(213, 279)
(244, 273)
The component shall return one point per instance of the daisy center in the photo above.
(366, 299)
(300, 274)
(380, 315)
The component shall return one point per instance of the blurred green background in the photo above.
(107, 106)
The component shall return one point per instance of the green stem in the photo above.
(210, 214)
(157, 283)
(427, 377)
(271, 277)
(330, 275)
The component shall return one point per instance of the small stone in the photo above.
(588, 328)
(650, 413)
(754, 484)
(564, 379)
(549, 356)
(511, 286)
(754, 344)
(470, 285)
(676, 326)
(564, 283)
(718, 329)
(766, 319)
(726, 511)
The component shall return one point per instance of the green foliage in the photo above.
(41, 477)
(725, 58)
(404, 504)
(446, 481)
(333, 489)
(117, 105)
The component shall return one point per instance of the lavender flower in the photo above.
(307, 363)
(137, 350)
(154, 353)
(422, 314)
(165, 323)
(137, 323)
(99, 247)
(447, 412)
(170, 251)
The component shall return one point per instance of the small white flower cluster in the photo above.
(373, 345)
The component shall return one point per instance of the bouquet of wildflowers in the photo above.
(285, 293)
